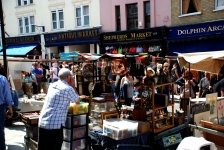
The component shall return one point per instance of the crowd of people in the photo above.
(185, 84)
(41, 75)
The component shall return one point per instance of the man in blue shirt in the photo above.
(54, 111)
(5, 102)
(37, 71)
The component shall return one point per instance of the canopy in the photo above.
(211, 61)
(19, 50)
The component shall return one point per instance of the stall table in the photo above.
(111, 144)
(27, 105)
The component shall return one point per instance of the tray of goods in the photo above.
(30, 118)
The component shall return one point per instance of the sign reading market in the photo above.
(133, 35)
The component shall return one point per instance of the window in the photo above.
(118, 18)
(24, 2)
(219, 4)
(147, 14)
(26, 25)
(191, 6)
(132, 16)
(82, 16)
(57, 19)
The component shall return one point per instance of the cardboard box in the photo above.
(143, 127)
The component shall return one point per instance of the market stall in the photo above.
(202, 61)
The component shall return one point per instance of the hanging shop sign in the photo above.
(77, 37)
(133, 35)
(202, 29)
(35, 39)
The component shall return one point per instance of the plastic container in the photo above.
(79, 132)
(120, 129)
(74, 145)
(74, 121)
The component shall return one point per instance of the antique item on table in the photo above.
(88, 71)
(118, 66)
(109, 114)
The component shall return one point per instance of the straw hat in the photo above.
(150, 69)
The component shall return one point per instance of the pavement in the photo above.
(14, 136)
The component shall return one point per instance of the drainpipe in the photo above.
(3, 38)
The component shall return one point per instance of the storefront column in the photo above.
(66, 48)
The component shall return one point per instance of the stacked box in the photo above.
(79, 132)
(77, 121)
(120, 129)
(76, 145)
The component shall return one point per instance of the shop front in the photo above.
(201, 37)
(150, 41)
(24, 46)
(82, 41)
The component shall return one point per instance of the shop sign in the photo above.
(133, 35)
(203, 29)
(71, 37)
(23, 40)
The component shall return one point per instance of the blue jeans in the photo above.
(2, 125)
(15, 97)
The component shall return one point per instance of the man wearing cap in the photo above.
(54, 111)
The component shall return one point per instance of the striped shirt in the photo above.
(5, 93)
(55, 108)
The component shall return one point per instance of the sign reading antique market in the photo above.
(197, 30)
(23, 40)
(135, 35)
(72, 37)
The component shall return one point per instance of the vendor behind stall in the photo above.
(54, 111)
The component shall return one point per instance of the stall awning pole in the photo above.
(3, 38)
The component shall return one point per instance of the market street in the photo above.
(15, 134)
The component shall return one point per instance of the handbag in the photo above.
(132, 49)
(120, 50)
(139, 49)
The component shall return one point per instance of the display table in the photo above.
(111, 144)
(27, 105)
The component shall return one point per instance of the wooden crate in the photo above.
(218, 140)
(30, 118)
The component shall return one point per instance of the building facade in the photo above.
(134, 24)
(196, 26)
(63, 26)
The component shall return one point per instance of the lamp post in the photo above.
(3, 38)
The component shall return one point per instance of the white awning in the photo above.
(202, 61)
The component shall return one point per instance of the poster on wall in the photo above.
(211, 99)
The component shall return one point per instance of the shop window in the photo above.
(57, 19)
(118, 18)
(147, 14)
(82, 16)
(191, 7)
(132, 16)
(26, 25)
(219, 4)
(24, 2)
